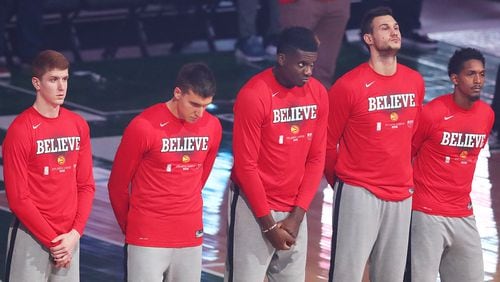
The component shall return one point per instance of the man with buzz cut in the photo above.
(49, 184)
(452, 130)
(373, 110)
(161, 166)
(279, 144)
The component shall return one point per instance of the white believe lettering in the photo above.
(294, 113)
(184, 144)
(395, 101)
(55, 145)
(463, 140)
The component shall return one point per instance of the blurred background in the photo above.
(125, 55)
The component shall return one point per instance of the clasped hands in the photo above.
(62, 253)
(283, 236)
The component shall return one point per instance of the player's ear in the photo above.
(36, 83)
(368, 38)
(281, 59)
(454, 79)
(177, 93)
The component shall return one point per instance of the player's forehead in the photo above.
(305, 56)
(385, 20)
(56, 73)
(195, 98)
(473, 64)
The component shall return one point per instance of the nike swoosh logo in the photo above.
(276, 93)
(369, 84)
(163, 124)
(36, 126)
(447, 118)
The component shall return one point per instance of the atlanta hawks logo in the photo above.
(294, 129)
(394, 116)
(61, 160)
(186, 159)
(463, 154)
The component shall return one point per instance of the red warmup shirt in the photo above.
(447, 143)
(370, 128)
(279, 141)
(48, 173)
(158, 173)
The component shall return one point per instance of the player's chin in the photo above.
(396, 46)
(302, 82)
(474, 97)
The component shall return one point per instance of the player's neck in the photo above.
(383, 65)
(45, 109)
(172, 107)
(280, 78)
(461, 101)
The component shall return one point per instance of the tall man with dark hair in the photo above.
(373, 109)
(162, 164)
(451, 132)
(408, 13)
(279, 144)
(48, 179)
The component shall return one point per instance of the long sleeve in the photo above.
(422, 124)
(248, 121)
(212, 154)
(279, 143)
(84, 181)
(337, 119)
(446, 147)
(371, 124)
(422, 131)
(16, 153)
(127, 159)
(315, 159)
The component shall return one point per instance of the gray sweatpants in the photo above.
(251, 257)
(150, 264)
(448, 245)
(368, 229)
(28, 260)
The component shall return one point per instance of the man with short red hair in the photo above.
(48, 179)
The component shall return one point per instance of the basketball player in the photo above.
(48, 179)
(160, 168)
(279, 144)
(451, 132)
(373, 109)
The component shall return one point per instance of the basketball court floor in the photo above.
(109, 93)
